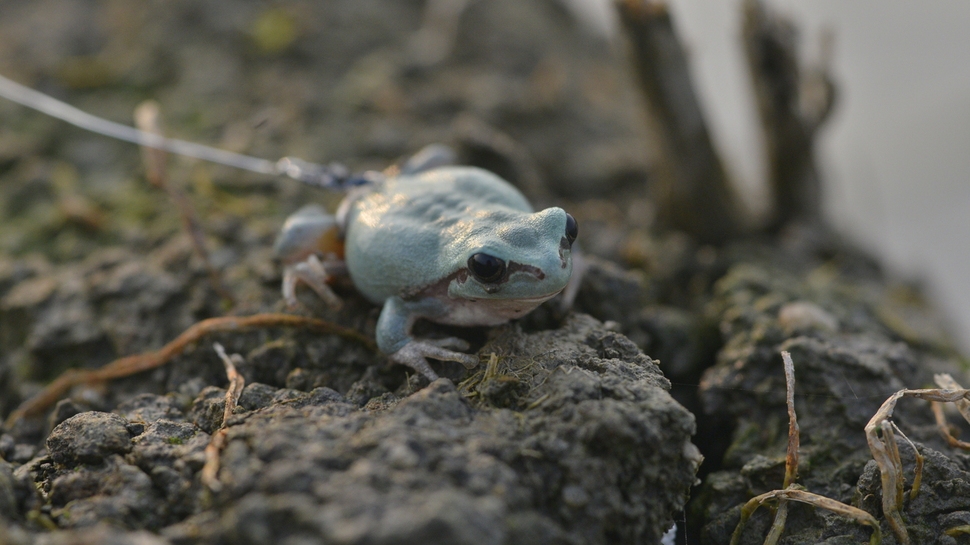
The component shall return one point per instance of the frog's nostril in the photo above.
(565, 245)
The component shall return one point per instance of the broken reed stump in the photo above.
(690, 188)
(792, 104)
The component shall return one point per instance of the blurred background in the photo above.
(895, 155)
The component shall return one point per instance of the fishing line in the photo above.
(332, 176)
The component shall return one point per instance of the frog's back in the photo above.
(415, 230)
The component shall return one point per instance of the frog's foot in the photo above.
(312, 273)
(451, 343)
(414, 355)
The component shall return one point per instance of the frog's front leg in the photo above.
(394, 338)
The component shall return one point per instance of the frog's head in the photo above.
(522, 257)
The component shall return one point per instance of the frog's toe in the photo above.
(312, 273)
(451, 343)
(415, 354)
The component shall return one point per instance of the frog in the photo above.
(454, 245)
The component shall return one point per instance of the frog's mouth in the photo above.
(538, 300)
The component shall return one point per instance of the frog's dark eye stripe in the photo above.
(572, 229)
(486, 268)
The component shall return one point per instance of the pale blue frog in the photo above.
(453, 245)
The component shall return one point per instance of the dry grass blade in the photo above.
(892, 447)
(881, 435)
(946, 382)
(791, 456)
(918, 470)
(961, 530)
(884, 459)
(236, 381)
(803, 496)
(886, 453)
(944, 427)
(210, 470)
(790, 491)
(130, 365)
(778, 525)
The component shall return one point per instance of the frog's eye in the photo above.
(572, 229)
(486, 268)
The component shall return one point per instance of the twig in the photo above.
(210, 470)
(148, 119)
(130, 365)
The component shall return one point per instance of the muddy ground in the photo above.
(580, 429)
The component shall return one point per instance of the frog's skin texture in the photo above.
(453, 245)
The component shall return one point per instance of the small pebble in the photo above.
(87, 438)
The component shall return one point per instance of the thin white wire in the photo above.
(36, 100)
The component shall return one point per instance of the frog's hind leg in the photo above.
(311, 249)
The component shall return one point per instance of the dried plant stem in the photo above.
(803, 496)
(885, 451)
(961, 530)
(791, 491)
(791, 458)
(130, 365)
(791, 455)
(778, 525)
(944, 427)
(210, 470)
